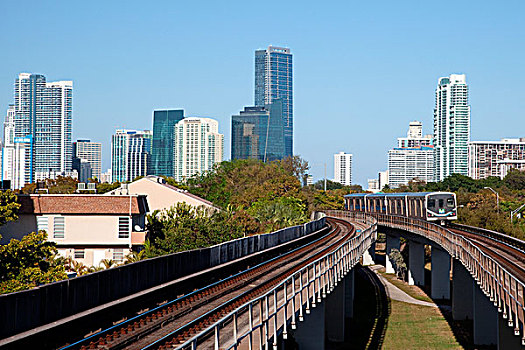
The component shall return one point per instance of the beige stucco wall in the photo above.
(92, 229)
(160, 197)
(92, 256)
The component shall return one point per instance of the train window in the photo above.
(431, 203)
(441, 202)
(450, 202)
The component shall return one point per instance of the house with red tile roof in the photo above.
(86, 227)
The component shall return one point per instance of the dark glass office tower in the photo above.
(258, 132)
(274, 80)
(162, 150)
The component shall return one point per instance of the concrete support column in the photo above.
(440, 274)
(416, 263)
(485, 319)
(369, 256)
(392, 242)
(335, 311)
(507, 340)
(462, 289)
(310, 334)
(348, 281)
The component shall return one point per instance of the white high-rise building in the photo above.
(343, 168)
(407, 164)
(197, 146)
(130, 154)
(41, 114)
(90, 152)
(415, 137)
(9, 126)
(412, 159)
(451, 127)
(495, 158)
(383, 179)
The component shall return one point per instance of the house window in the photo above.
(118, 255)
(42, 223)
(123, 227)
(79, 253)
(59, 227)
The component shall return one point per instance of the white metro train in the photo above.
(430, 206)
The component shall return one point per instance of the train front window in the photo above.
(431, 203)
(450, 202)
(441, 202)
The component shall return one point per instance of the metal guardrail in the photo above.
(258, 322)
(501, 286)
(494, 235)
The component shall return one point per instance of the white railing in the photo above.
(499, 285)
(257, 323)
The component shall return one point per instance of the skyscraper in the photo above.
(274, 80)
(410, 163)
(130, 154)
(9, 126)
(412, 159)
(495, 158)
(90, 152)
(43, 116)
(162, 151)
(451, 126)
(415, 137)
(197, 146)
(343, 168)
(258, 133)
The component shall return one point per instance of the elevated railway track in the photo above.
(506, 250)
(174, 323)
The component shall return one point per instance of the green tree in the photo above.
(279, 213)
(515, 180)
(8, 207)
(243, 182)
(60, 185)
(183, 227)
(104, 187)
(330, 185)
(28, 263)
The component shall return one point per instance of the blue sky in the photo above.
(362, 70)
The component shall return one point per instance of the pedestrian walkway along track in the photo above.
(176, 321)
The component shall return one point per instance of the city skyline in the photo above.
(341, 74)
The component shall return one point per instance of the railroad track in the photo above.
(174, 322)
(510, 256)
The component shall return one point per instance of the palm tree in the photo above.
(134, 257)
(108, 263)
(79, 268)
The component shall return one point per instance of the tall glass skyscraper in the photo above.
(258, 133)
(43, 117)
(164, 122)
(451, 127)
(130, 154)
(274, 80)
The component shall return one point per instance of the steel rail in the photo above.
(95, 338)
(326, 272)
